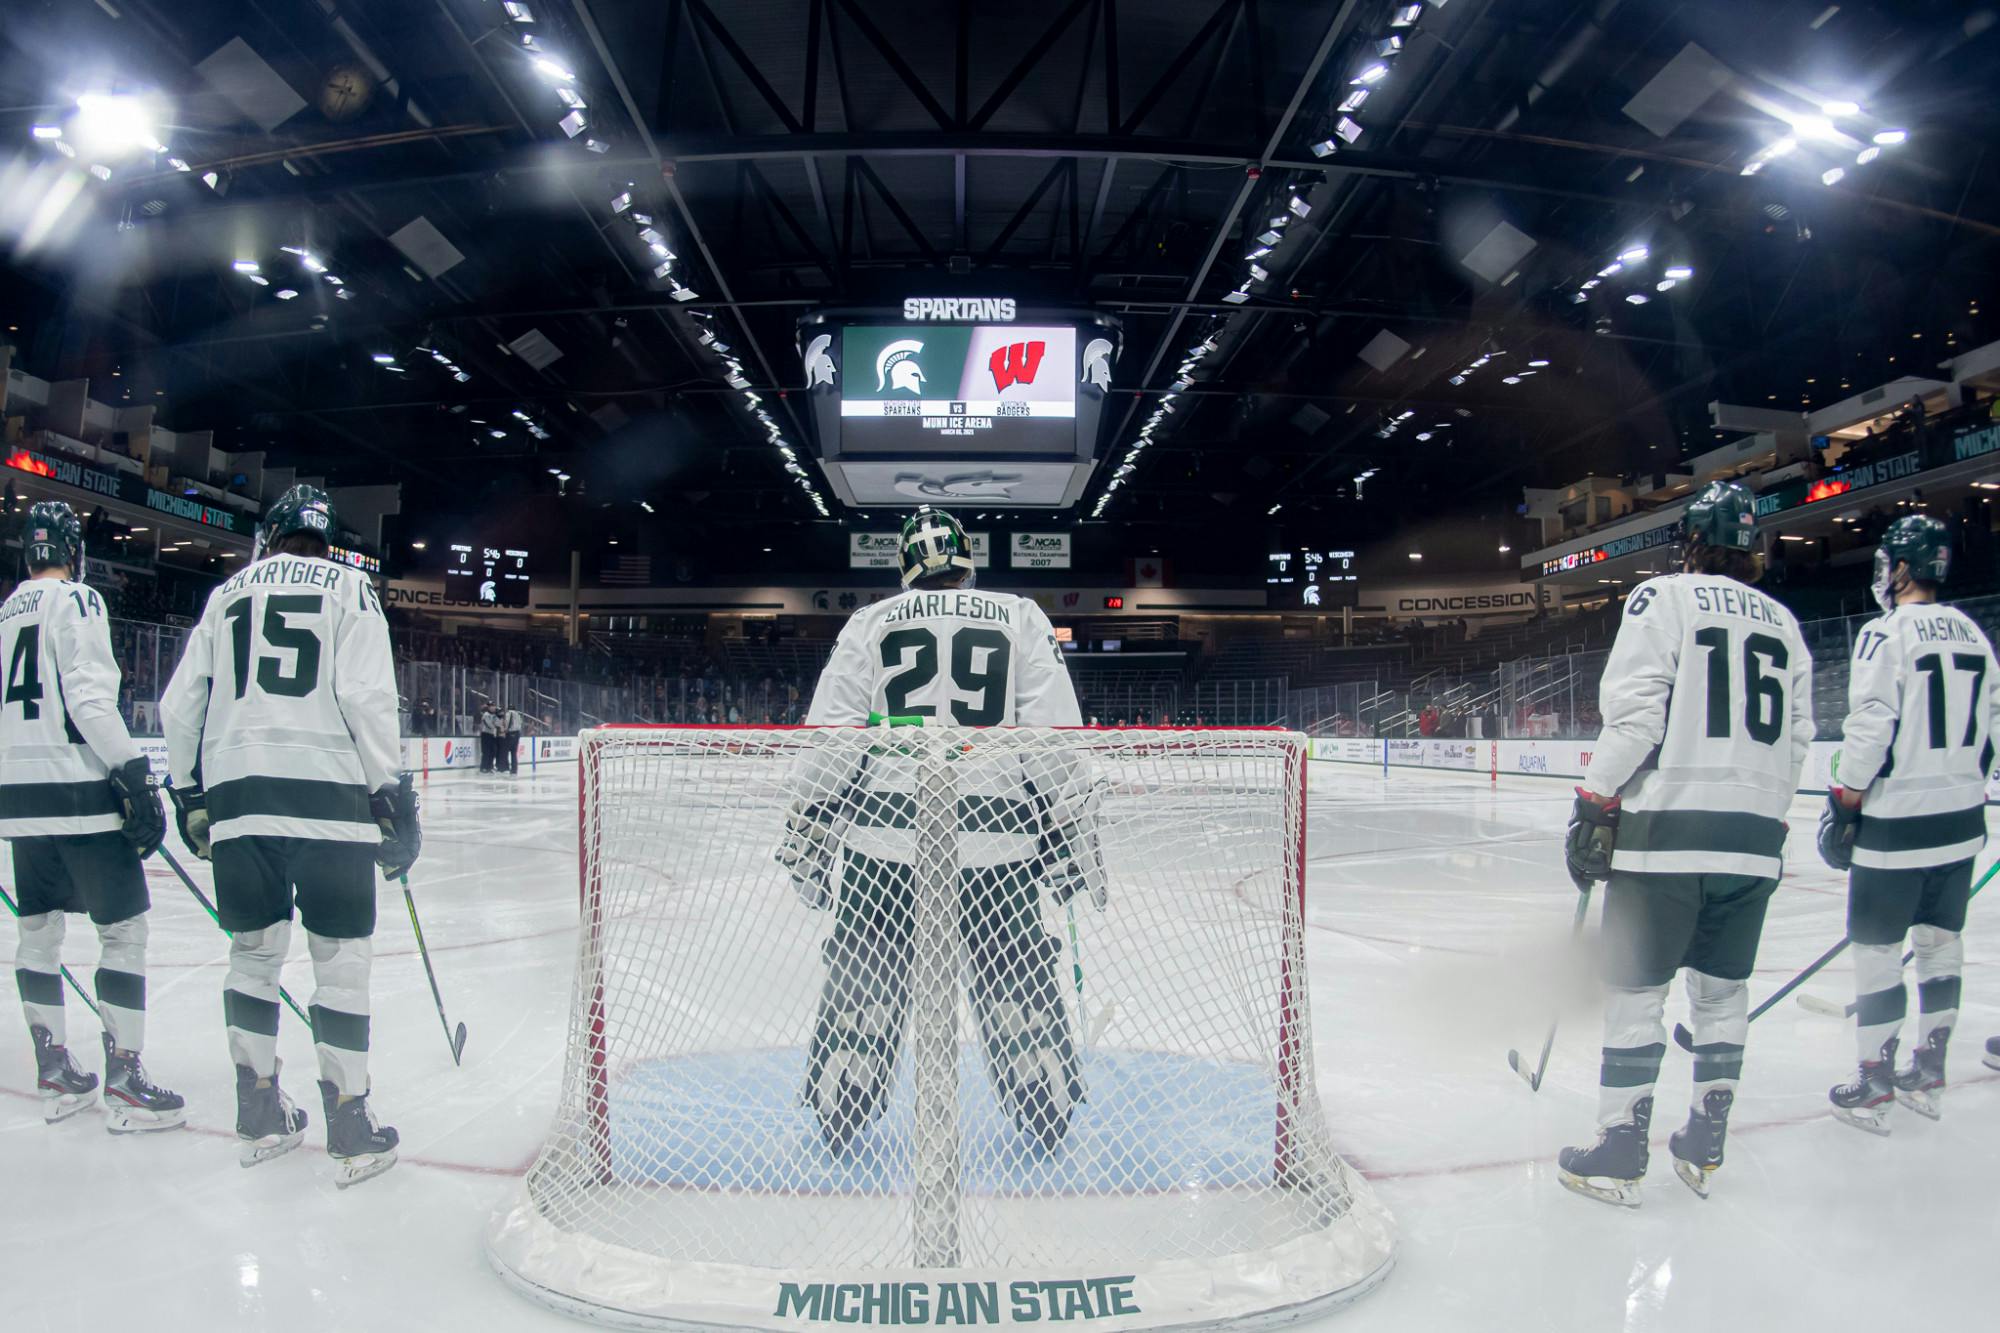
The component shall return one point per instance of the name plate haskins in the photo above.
(945, 1304)
(974, 309)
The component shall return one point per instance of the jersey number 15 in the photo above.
(272, 678)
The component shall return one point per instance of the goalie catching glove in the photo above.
(394, 809)
(1593, 832)
(1838, 824)
(1072, 864)
(139, 802)
(191, 816)
(807, 855)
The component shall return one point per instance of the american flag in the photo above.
(634, 571)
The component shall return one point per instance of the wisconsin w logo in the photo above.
(1016, 363)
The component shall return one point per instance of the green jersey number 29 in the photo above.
(981, 673)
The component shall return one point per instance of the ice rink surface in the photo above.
(1438, 917)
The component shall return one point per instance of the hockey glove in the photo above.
(191, 814)
(145, 818)
(807, 854)
(1593, 832)
(394, 809)
(1072, 863)
(1838, 824)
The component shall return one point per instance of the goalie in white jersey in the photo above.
(282, 740)
(947, 654)
(78, 804)
(1907, 814)
(1707, 702)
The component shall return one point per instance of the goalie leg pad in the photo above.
(1017, 997)
(851, 1061)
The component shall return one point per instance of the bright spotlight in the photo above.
(1890, 138)
(1867, 155)
(108, 125)
(1374, 73)
(1679, 271)
(1832, 175)
(1815, 127)
(1637, 254)
(1841, 108)
(550, 70)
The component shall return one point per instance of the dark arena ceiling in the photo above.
(504, 331)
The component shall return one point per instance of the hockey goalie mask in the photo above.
(934, 543)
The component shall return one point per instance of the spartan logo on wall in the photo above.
(1097, 363)
(896, 367)
(1016, 363)
(819, 363)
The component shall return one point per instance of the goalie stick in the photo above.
(68, 975)
(1816, 1004)
(1534, 1080)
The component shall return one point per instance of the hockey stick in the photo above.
(216, 917)
(1814, 1004)
(68, 975)
(1685, 1039)
(455, 1036)
(1534, 1080)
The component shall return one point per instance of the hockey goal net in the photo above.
(941, 1025)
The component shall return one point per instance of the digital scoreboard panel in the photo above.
(962, 401)
(990, 388)
(486, 575)
(1311, 578)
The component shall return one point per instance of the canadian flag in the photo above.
(1149, 572)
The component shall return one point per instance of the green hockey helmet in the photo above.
(53, 535)
(1724, 515)
(934, 544)
(1918, 540)
(302, 508)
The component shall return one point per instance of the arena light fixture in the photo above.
(1890, 138)
(383, 359)
(112, 125)
(1637, 254)
(574, 123)
(1269, 237)
(1391, 45)
(1416, 555)
(245, 265)
(1353, 101)
(1538, 364)
(1637, 298)
(1832, 175)
(1258, 273)
(1259, 252)
(259, 279)
(552, 71)
(1867, 155)
(517, 11)
(1505, 548)
(1610, 269)
(1679, 271)
(1325, 148)
(1841, 108)
(1299, 207)
(1815, 127)
(1372, 74)
(285, 293)
(179, 164)
(46, 131)
(1751, 168)
(1406, 16)
(1666, 284)
(572, 99)
(1348, 130)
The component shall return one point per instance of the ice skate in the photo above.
(1992, 1056)
(1865, 1103)
(266, 1121)
(359, 1147)
(1697, 1147)
(1612, 1169)
(65, 1089)
(1921, 1086)
(133, 1104)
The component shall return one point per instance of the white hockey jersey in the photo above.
(1707, 702)
(954, 657)
(283, 706)
(60, 732)
(1923, 699)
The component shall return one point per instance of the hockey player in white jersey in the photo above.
(948, 654)
(282, 742)
(78, 803)
(1707, 702)
(1906, 815)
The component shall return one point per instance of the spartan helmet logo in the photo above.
(896, 367)
(819, 365)
(1097, 363)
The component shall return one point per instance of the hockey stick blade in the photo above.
(1514, 1063)
(458, 1043)
(1816, 1004)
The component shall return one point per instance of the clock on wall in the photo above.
(346, 92)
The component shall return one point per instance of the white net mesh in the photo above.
(890, 1025)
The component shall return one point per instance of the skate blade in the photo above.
(1873, 1120)
(1929, 1105)
(351, 1171)
(255, 1151)
(1623, 1193)
(1694, 1177)
(59, 1107)
(1991, 1061)
(131, 1120)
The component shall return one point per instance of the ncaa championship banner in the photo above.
(878, 550)
(1038, 550)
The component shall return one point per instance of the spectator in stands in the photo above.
(423, 718)
(1428, 719)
